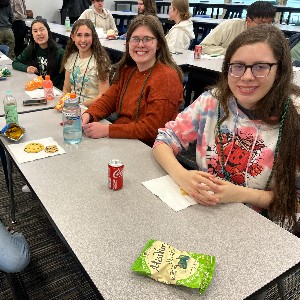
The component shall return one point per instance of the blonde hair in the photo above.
(183, 8)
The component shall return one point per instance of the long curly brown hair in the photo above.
(150, 7)
(162, 54)
(270, 109)
(102, 58)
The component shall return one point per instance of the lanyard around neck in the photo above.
(82, 82)
(141, 93)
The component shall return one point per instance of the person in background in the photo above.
(146, 91)
(182, 33)
(18, 26)
(100, 16)
(86, 62)
(74, 8)
(43, 55)
(294, 42)
(6, 34)
(218, 40)
(14, 250)
(242, 128)
(147, 7)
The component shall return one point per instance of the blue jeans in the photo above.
(14, 251)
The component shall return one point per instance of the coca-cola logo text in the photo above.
(117, 173)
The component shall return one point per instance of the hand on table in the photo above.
(228, 192)
(95, 130)
(85, 118)
(199, 185)
(32, 70)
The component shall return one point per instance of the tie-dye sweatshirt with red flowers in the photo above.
(249, 145)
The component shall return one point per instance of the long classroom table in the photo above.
(106, 230)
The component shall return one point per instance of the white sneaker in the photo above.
(26, 189)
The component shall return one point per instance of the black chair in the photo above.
(233, 13)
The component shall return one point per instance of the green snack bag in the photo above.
(166, 264)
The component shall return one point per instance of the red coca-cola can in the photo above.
(197, 51)
(115, 174)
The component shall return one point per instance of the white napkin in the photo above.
(21, 156)
(39, 93)
(169, 192)
(3, 57)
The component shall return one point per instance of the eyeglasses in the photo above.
(147, 40)
(258, 70)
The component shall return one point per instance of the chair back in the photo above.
(40, 18)
(233, 13)
(4, 49)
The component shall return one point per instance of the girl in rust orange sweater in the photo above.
(147, 88)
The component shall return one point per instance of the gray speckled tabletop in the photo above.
(107, 229)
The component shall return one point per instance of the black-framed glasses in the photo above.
(147, 40)
(258, 70)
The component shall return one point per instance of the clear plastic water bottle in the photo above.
(48, 88)
(71, 118)
(68, 24)
(10, 108)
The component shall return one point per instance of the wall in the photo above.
(49, 9)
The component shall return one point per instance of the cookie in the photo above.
(34, 147)
(51, 149)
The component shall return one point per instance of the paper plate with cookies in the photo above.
(36, 149)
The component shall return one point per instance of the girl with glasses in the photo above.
(86, 63)
(246, 131)
(146, 91)
(100, 16)
(43, 55)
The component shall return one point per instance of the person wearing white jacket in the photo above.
(181, 34)
(100, 16)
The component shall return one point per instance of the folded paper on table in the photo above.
(21, 156)
(213, 56)
(169, 192)
(39, 93)
(3, 57)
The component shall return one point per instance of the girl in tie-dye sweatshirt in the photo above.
(246, 131)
